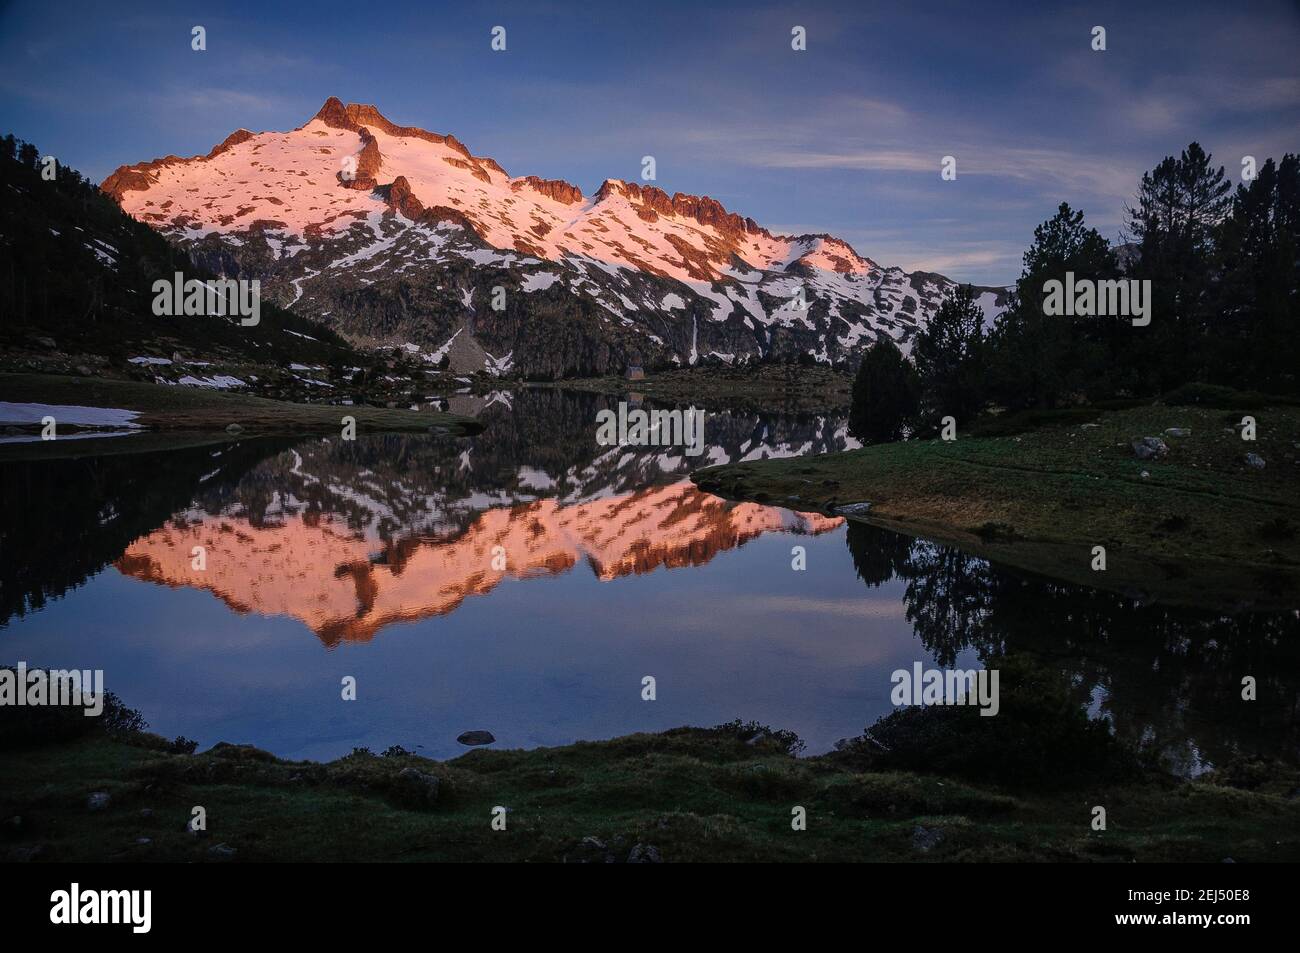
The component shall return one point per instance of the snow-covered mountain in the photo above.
(393, 234)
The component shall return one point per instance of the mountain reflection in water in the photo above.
(615, 567)
(348, 584)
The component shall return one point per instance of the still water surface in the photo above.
(375, 559)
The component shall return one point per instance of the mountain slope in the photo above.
(76, 280)
(393, 234)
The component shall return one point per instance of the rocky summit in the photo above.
(396, 235)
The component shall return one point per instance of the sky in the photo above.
(846, 137)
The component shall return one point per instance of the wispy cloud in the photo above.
(845, 138)
(213, 98)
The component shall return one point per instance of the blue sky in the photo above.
(845, 138)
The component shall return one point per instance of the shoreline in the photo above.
(1197, 526)
(186, 414)
(764, 388)
(684, 795)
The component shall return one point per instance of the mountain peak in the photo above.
(355, 116)
(393, 230)
(352, 116)
(333, 113)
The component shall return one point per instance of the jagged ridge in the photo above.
(396, 234)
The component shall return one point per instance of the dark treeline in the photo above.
(1223, 268)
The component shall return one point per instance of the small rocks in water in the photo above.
(1149, 448)
(98, 801)
(417, 788)
(644, 854)
(143, 841)
(222, 850)
(1254, 461)
(47, 343)
(146, 814)
(853, 509)
(477, 737)
(1178, 432)
(595, 843)
(926, 838)
(1145, 474)
(234, 428)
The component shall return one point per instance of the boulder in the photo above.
(476, 737)
(1254, 461)
(98, 801)
(1149, 448)
(926, 839)
(416, 788)
(853, 509)
(644, 854)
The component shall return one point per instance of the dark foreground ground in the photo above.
(921, 785)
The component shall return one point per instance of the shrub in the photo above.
(1041, 736)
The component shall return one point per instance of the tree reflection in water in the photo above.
(1168, 678)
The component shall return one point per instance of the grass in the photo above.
(190, 410)
(1199, 527)
(691, 794)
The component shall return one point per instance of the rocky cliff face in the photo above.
(393, 234)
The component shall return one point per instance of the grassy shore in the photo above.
(189, 410)
(682, 795)
(1199, 525)
(767, 387)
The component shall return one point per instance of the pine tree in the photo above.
(1180, 205)
(1041, 360)
(948, 353)
(1254, 310)
(884, 394)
